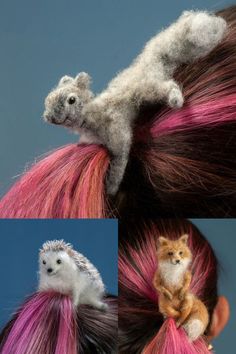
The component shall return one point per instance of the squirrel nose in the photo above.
(50, 270)
(50, 119)
(53, 120)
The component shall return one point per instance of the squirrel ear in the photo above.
(184, 239)
(83, 80)
(162, 241)
(186, 13)
(65, 80)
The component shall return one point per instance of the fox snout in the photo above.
(176, 261)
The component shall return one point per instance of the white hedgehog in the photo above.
(108, 118)
(63, 269)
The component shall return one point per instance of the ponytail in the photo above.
(48, 323)
(68, 183)
(170, 339)
(142, 326)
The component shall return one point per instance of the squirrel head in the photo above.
(64, 104)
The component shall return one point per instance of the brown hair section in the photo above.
(188, 173)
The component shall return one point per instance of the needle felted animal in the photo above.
(172, 281)
(108, 118)
(64, 270)
(66, 315)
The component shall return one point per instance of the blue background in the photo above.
(221, 234)
(42, 40)
(20, 242)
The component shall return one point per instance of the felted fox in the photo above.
(172, 280)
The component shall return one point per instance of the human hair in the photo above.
(182, 162)
(185, 164)
(48, 323)
(67, 183)
(141, 324)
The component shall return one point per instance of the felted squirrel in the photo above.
(108, 118)
(172, 281)
(63, 269)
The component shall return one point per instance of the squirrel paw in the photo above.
(103, 307)
(111, 187)
(175, 98)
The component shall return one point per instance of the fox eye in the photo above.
(180, 253)
(71, 100)
(170, 253)
(58, 261)
(44, 262)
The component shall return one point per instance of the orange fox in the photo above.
(172, 280)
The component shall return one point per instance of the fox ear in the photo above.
(65, 80)
(162, 241)
(184, 239)
(83, 80)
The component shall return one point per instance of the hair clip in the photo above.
(63, 269)
(108, 118)
(172, 280)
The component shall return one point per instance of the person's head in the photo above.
(142, 327)
(182, 161)
(64, 104)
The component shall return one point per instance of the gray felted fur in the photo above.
(108, 117)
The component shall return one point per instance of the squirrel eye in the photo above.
(44, 262)
(170, 253)
(71, 100)
(58, 261)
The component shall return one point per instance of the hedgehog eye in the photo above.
(71, 100)
(44, 262)
(180, 253)
(170, 253)
(58, 261)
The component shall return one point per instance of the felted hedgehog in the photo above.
(108, 118)
(67, 271)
